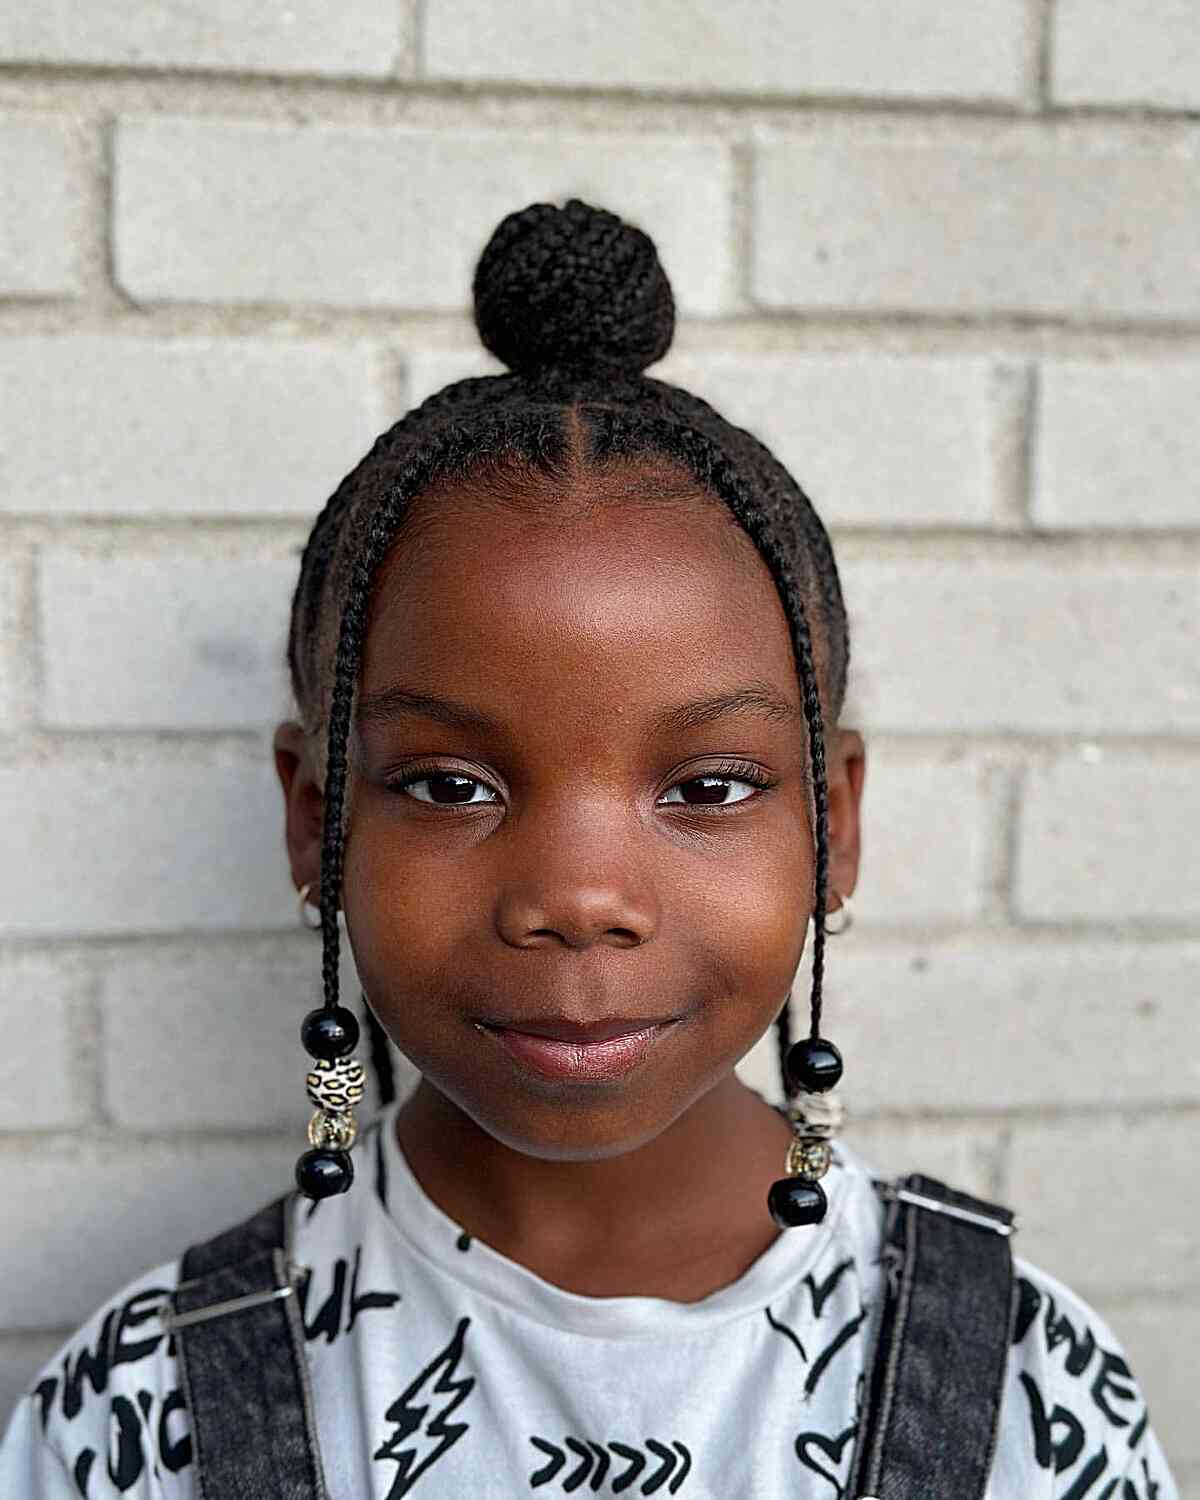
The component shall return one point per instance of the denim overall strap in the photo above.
(932, 1412)
(240, 1345)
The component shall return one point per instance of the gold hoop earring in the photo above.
(847, 913)
(302, 902)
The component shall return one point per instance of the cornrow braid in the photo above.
(576, 304)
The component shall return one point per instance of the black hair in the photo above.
(575, 302)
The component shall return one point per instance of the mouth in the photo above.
(553, 1047)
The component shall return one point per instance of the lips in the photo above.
(560, 1029)
(595, 1052)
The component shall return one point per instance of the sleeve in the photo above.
(1087, 1426)
(29, 1466)
(105, 1418)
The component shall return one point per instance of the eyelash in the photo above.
(730, 770)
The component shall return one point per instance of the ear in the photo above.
(303, 802)
(846, 769)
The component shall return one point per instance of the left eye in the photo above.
(448, 789)
(711, 791)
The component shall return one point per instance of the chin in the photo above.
(568, 1130)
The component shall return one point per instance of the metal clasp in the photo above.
(171, 1320)
(951, 1211)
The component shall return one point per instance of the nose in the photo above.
(575, 887)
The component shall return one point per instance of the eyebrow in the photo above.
(390, 704)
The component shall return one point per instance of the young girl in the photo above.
(569, 653)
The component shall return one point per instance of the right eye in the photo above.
(445, 789)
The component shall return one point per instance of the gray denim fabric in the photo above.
(244, 1371)
(933, 1411)
(932, 1414)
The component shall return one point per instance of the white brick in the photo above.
(1117, 445)
(362, 217)
(428, 370)
(170, 427)
(1109, 1205)
(139, 846)
(190, 642)
(961, 1155)
(87, 1222)
(278, 36)
(950, 229)
(1162, 1340)
(1044, 647)
(854, 430)
(924, 843)
(1012, 1026)
(38, 1083)
(22, 1355)
(1105, 841)
(872, 441)
(1110, 52)
(39, 227)
(915, 50)
(210, 1036)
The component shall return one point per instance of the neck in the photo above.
(687, 1208)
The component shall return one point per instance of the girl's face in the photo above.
(579, 795)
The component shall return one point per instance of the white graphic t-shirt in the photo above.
(441, 1369)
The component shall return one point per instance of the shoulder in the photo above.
(1074, 1419)
(1073, 1402)
(107, 1414)
(107, 1400)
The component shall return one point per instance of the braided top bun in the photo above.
(573, 289)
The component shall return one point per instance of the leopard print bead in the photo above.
(336, 1084)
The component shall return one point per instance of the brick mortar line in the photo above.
(1082, 548)
(1043, 24)
(992, 336)
(250, 82)
(106, 1140)
(1154, 549)
(1027, 443)
(27, 676)
(59, 1143)
(1033, 1114)
(1004, 830)
(883, 333)
(190, 747)
(742, 226)
(274, 944)
(495, 105)
(871, 939)
(87, 130)
(277, 536)
(410, 51)
(198, 85)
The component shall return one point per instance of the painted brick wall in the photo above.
(943, 258)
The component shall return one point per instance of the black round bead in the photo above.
(322, 1174)
(814, 1065)
(794, 1202)
(329, 1034)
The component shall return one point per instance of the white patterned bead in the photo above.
(336, 1084)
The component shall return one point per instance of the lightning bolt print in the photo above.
(412, 1419)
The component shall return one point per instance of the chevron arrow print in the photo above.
(612, 1467)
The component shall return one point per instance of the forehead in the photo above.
(634, 597)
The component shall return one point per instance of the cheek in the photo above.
(754, 926)
(404, 913)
